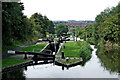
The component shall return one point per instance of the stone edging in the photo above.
(68, 65)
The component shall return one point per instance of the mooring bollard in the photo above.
(67, 59)
(64, 47)
(63, 57)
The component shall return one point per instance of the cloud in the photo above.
(67, 9)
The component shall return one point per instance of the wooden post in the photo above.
(67, 68)
(25, 56)
(26, 68)
(45, 61)
(36, 61)
(63, 55)
(62, 67)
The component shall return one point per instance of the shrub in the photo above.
(85, 50)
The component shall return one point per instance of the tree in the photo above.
(41, 25)
(110, 29)
(51, 29)
(12, 19)
(61, 29)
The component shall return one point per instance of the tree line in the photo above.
(105, 29)
(18, 30)
(16, 27)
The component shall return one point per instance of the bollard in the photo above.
(64, 47)
(67, 59)
(63, 57)
(62, 67)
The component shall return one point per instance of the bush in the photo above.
(85, 50)
(91, 40)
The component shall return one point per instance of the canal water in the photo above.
(94, 68)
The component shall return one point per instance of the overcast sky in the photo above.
(67, 9)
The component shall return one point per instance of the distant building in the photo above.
(78, 24)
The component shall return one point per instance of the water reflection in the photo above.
(16, 74)
(110, 59)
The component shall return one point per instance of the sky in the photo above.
(67, 9)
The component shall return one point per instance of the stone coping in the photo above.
(68, 64)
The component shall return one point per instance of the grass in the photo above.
(71, 49)
(11, 61)
(56, 39)
(17, 43)
(34, 48)
(70, 38)
(80, 49)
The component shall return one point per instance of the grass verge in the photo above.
(11, 61)
(34, 48)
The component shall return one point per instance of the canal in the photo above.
(94, 68)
